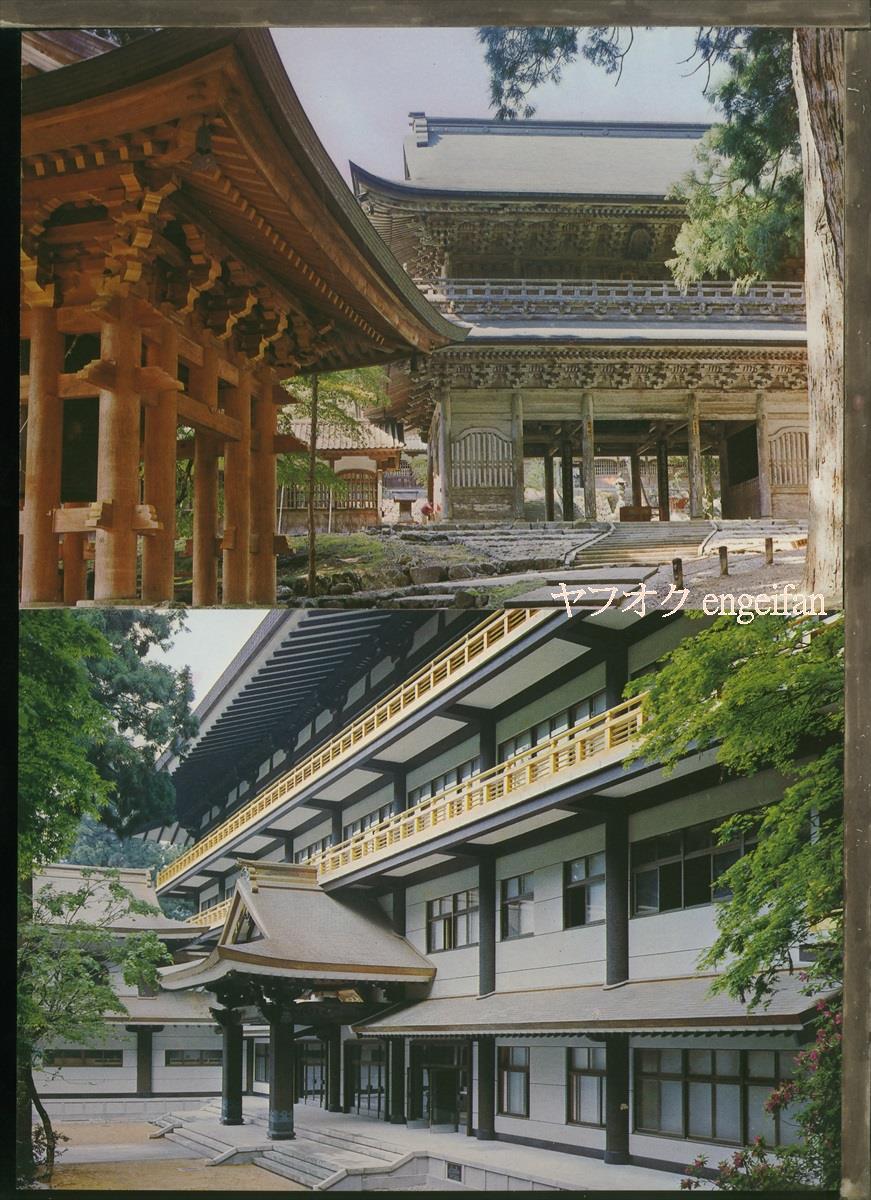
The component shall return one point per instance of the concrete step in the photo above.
(270, 1161)
(195, 1139)
(357, 1143)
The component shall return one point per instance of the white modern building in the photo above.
(431, 891)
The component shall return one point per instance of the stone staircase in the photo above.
(646, 544)
(315, 1156)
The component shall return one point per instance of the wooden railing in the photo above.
(486, 639)
(215, 914)
(590, 741)
(659, 300)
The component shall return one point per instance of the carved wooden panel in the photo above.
(788, 451)
(482, 458)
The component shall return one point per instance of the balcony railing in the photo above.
(470, 651)
(566, 755)
(214, 915)
(604, 299)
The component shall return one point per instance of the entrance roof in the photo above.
(667, 1005)
(205, 125)
(283, 926)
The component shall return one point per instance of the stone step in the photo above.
(199, 1143)
(270, 1161)
(355, 1142)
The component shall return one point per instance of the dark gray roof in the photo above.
(304, 933)
(662, 1004)
(545, 157)
(100, 907)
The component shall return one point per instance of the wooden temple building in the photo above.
(548, 241)
(186, 245)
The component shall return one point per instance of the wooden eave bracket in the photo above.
(103, 374)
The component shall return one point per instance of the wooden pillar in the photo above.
(662, 479)
(763, 456)
(161, 420)
(42, 468)
(486, 925)
(333, 1044)
(445, 453)
(231, 1065)
(75, 569)
(517, 445)
(399, 909)
(144, 1056)
(282, 1081)
(635, 466)
(588, 456)
(396, 1089)
(261, 584)
(549, 507)
(616, 897)
(568, 487)
(617, 1098)
(237, 496)
(204, 386)
(694, 457)
(118, 460)
(486, 1127)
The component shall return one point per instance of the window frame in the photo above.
(198, 1063)
(431, 787)
(506, 1067)
(595, 1072)
(102, 1056)
(558, 722)
(506, 901)
(449, 920)
(570, 885)
(743, 1080)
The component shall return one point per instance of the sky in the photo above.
(208, 644)
(358, 86)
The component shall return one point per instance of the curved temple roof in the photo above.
(210, 120)
(282, 925)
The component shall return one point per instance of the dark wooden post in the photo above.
(694, 457)
(568, 486)
(312, 463)
(635, 466)
(333, 1043)
(39, 575)
(517, 446)
(677, 570)
(399, 910)
(616, 675)
(616, 897)
(261, 581)
(549, 506)
(662, 479)
(396, 1083)
(763, 455)
(724, 560)
(282, 1081)
(769, 551)
(588, 456)
(617, 1098)
(231, 1064)
(237, 497)
(486, 925)
(485, 1130)
(144, 1053)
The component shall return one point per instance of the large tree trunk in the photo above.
(818, 75)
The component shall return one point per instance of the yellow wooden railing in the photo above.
(589, 741)
(215, 914)
(486, 639)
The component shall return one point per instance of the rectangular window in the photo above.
(584, 896)
(682, 869)
(373, 818)
(324, 843)
(261, 1062)
(452, 921)
(518, 906)
(542, 731)
(194, 1058)
(514, 1081)
(83, 1058)
(586, 1085)
(712, 1095)
(446, 780)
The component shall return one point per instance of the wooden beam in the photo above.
(208, 420)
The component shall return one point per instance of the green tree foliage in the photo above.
(59, 724)
(769, 695)
(98, 846)
(66, 952)
(149, 708)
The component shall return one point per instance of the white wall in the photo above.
(456, 970)
(54, 1081)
